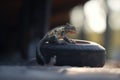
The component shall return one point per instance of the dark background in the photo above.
(22, 21)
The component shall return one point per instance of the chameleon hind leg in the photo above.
(53, 39)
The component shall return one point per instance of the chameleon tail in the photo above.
(39, 52)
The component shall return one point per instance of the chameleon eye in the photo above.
(55, 30)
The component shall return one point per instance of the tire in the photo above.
(82, 53)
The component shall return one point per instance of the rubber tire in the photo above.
(83, 53)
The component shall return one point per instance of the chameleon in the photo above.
(54, 35)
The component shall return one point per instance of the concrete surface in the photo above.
(58, 73)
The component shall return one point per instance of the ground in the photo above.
(58, 73)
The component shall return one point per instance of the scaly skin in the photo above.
(57, 33)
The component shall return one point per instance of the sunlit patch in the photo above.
(95, 16)
(76, 17)
(114, 5)
(114, 21)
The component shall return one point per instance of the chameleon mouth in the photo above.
(73, 32)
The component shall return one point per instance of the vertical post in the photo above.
(82, 33)
(34, 19)
(107, 34)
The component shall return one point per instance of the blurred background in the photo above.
(24, 22)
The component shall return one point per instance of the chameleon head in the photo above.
(70, 28)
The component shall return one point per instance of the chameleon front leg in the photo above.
(55, 40)
(66, 39)
(63, 35)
